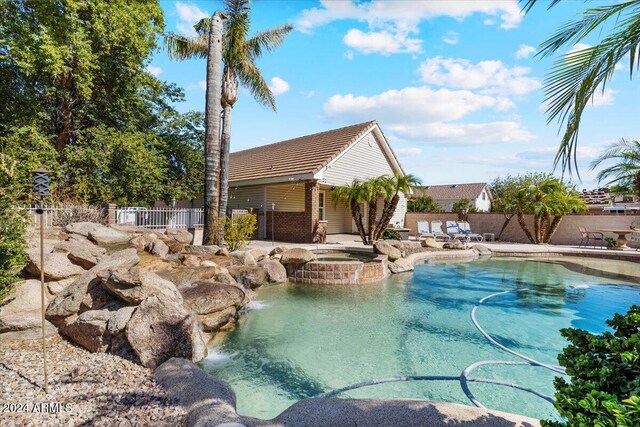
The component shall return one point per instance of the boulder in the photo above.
(56, 287)
(158, 248)
(189, 260)
(244, 258)
(89, 329)
(206, 298)
(135, 284)
(207, 263)
(70, 300)
(160, 329)
(179, 235)
(214, 321)
(259, 254)
(454, 244)
(297, 256)
(401, 265)
(187, 276)
(109, 236)
(83, 228)
(86, 256)
(225, 278)
(119, 319)
(176, 247)
(430, 242)
(278, 250)
(57, 266)
(139, 242)
(384, 247)
(223, 252)
(276, 273)
(21, 315)
(249, 276)
(482, 250)
(202, 249)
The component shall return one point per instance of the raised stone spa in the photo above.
(340, 268)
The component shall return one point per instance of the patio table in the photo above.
(621, 243)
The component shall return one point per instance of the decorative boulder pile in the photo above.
(396, 251)
(292, 259)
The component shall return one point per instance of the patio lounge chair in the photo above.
(423, 230)
(465, 228)
(436, 230)
(453, 230)
(590, 235)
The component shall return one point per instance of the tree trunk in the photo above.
(553, 228)
(536, 228)
(64, 126)
(507, 220)
(387, 214)
(229, 98)
(373, 213)
(523, 225)
(544, 227)
(356, 214)
(212, 131)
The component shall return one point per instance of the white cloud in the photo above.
(202, 84)
(308, 94)
(427, 115)
(188, 16)
(278, 86)
(601, 98)
(413, 104)
(464, 133)
(408, 152)
(407, 14)
(153, 70)
(451, 38)
(577, 47)
(349, 55)
(525, 51)
(383, 42)
(492, 76)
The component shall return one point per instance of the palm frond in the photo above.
(268, 40)
(575, 78)
(529, 4)
(251, 78)
(626, 155)
(181, 47)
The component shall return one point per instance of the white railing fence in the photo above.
(160, 217)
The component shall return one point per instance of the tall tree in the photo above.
(212, 130)
(239, 55)
(395, 185)
(577, 76)
(353, 196)
(626, 168)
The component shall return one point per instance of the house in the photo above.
(289, 184)
(478, 194)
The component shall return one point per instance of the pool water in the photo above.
(299, 341)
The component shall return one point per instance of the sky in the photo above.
(455, 85)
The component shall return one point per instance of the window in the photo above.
(321, 204)
(484, 196)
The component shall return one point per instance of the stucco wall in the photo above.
(567, 233)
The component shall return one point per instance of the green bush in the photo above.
(423, 204)
(391, 234)
(611, 242)
(604, 389)
(13, 223)
(238, 231)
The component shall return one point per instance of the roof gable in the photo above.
(453, 191)
(298, 156)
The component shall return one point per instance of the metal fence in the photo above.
(161, 217)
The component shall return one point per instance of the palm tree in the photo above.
(577, 76)
(626, 170)
(395, 185)
(353, 196)
(207, 44)
(239, 55)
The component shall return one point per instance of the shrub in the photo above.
(13, 223)
(604, 389)
(611, 242)
(78, 212)
(423, 204)
(391, 234)
(238, 231)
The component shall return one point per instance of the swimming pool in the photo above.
(301, 341)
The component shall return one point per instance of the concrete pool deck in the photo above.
(212, 402)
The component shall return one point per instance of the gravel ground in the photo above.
(87, 389)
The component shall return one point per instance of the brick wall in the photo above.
(311, 209)
(567, 233)
(287, 226)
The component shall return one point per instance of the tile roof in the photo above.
(305, 154)
(451, 191)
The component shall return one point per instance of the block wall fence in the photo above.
(567, 233)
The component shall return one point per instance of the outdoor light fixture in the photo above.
(41, 188)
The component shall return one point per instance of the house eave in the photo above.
(271, 180)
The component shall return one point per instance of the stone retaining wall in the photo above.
(567, 233)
